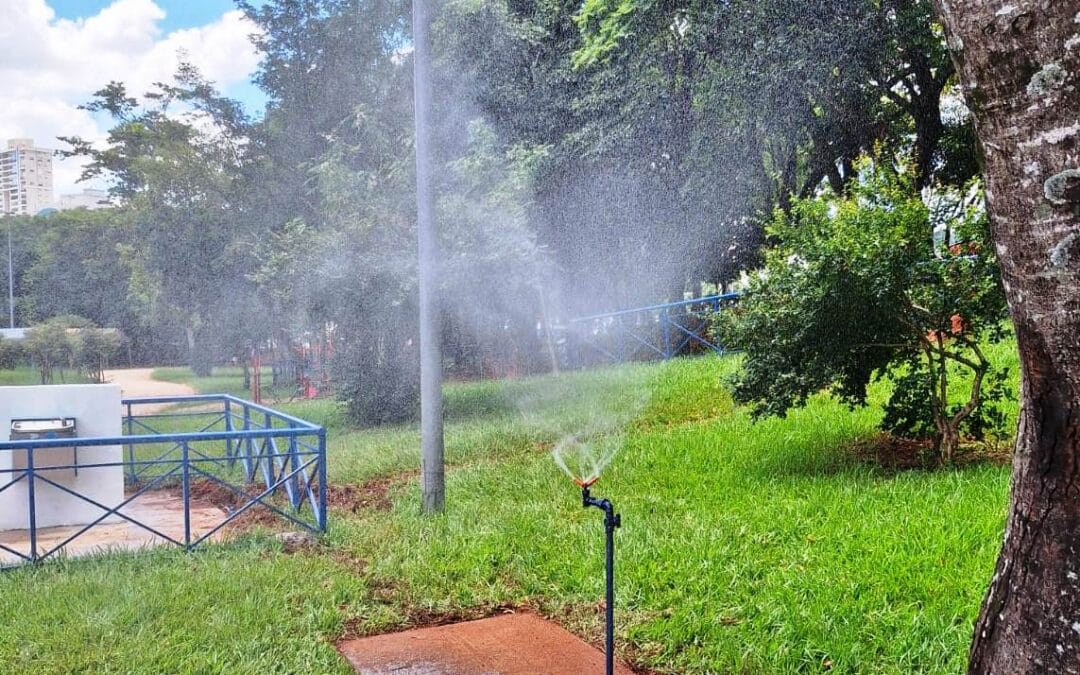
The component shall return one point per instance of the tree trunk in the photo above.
(198, 359)
(1019, 64)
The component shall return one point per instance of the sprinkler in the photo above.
(612, 520)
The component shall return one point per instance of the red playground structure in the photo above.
(299, 369)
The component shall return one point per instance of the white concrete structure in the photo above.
(87, 199)
(26, 178)
(97, 412)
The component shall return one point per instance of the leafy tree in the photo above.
(95, 348)
(51, 347)
(181, 174)
(347, 256)
(84, 265)
(853, 288)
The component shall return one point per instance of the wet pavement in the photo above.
(162, 510)
(511, 644)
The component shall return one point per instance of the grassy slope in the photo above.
(757, 548)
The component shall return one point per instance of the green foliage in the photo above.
(180, 176)
(96, 348)
(11, 354)
(52, 347)
(853, 289)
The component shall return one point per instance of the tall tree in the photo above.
(1020, 67)
(180, 170)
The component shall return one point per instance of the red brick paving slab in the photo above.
(511, 644)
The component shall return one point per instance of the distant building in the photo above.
(26, 178)
(87, 199)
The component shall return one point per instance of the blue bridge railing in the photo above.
(654, 332)
(247, 455)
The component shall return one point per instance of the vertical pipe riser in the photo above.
(612, 521)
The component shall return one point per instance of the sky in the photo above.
(54, 54)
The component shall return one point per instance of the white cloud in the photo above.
(48, 66)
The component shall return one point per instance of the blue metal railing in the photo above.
(256, 455)
(657, 331)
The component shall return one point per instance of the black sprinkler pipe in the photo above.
(612, 521)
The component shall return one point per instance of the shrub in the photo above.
(854, 288)
(11, 354)
(96, 347)
(51, 347)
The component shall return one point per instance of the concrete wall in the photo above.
(97, 412)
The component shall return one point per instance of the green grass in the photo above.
(759, 548)
(23, 375)
(224, 380)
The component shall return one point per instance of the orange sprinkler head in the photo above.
(586, 483)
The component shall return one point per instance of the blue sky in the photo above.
(179, 14)
(54, 54)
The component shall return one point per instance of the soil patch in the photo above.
(904, 454)
(371, 495)
(229, 501)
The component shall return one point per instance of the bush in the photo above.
(51, 346)
(96, 347)
(854, 288)
(11, 354)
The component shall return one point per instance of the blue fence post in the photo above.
(186, 492)
(620, 339)
(293, 465)
(130, 425)
(322, 480)
(229, 452)
(579, 358)
(665, 326)
(32, 504)
(268, 450)
(249, 466)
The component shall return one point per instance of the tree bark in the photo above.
(1019, 64)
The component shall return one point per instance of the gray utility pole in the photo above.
(432, 474)
(10, 279)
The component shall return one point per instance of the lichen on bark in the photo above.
(1050, 77)
(1063, 188)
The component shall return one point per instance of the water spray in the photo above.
(612, 521)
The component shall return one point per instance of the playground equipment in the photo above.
(300, 369)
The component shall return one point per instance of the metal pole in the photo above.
(609, 569)
(11, 280)
(432, 477)
(185, 492)
(32, 504)
(612, 521)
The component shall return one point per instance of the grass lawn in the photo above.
(759, 548)
(224, 380)
(22, 375)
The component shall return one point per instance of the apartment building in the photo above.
(26, 178)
